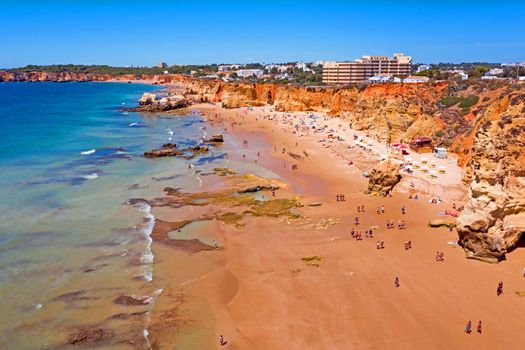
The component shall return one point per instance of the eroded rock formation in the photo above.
(383, 177)
(149, 103)
(494, 218)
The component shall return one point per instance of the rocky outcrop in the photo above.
(215, 138)
(167, 150)
(493, 221)
(149, 103)
(383, 177)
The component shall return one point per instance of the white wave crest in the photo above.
(147, 256)
(91, 176)
(91, 151)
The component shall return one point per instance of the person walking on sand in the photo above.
(499, 291)
(479, 327)
(221, 340)
(468, 329)
(396, 282)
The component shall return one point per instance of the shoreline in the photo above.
(251, 284)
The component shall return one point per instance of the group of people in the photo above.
(408, 245)
(414, 197)
(340, 197)
(380, 210)
(401, 224)
(468, 329)
(380, 245)
(358, 235)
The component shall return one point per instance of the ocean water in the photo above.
(70, 243)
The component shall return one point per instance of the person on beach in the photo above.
(382, 209)
(221, 340)
(382, 244)
(499, 290)
(468, 328)
(403, 209)
(362, 208)
(378, 245)
(356, 221)
(479, 327)
(396, 282)
(358, 209)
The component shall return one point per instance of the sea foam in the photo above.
(91, 151)
(147, 256)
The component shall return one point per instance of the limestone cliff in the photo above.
(493, 221)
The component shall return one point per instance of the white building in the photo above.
(281, 68)
(228, 67)
(415, 79)
(301, 65)
(489, 77)
(250, 72)
(496, 71)
(423, 68)
(380, 78)
(463, 75)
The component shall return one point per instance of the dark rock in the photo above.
(89, 337)
(215, 138)
(198, 149)
(164, 152)
(133, 300)
(258, 188)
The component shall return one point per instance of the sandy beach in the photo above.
(307, 284)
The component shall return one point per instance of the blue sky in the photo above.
(184, 32)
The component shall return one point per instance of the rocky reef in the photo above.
(493, 221)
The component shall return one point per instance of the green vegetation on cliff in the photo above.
(104, 69)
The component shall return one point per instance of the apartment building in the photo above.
(366, 67)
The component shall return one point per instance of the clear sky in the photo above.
(184, 32)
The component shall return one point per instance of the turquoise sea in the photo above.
(70, 243)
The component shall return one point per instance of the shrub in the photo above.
(450, 101)
(439, 134)
(469, 102)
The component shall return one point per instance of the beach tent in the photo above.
(440, 152)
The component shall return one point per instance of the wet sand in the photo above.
(259, 293)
